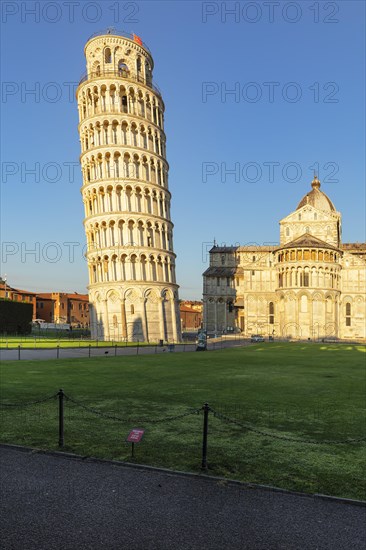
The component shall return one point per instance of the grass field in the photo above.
(306, 391)
(33, 342)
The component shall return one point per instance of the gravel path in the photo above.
(53, 502)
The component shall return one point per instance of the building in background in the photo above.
(17, 295)
(190, 315)
(131, 261)
(309, 286)
(45, 307)
(61, 307)
(51, 307)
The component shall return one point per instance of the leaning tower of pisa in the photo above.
(132, 287)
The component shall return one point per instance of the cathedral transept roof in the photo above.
(309, 241)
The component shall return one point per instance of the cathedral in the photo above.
(310, 286)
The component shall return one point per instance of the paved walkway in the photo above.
(51, 502)
(68, 353)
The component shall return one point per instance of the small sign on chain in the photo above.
(133, 437)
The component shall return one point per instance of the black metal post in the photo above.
(133, 450)
(61, 418)
(115, 350)
(89, 349)
(206, 410)
(19, 353)
(137, 347)
(58, 352)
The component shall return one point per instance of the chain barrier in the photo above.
(220, 416)
(284, 437)
(139, 421)
(29, 403)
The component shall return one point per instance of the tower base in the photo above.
(135, 314)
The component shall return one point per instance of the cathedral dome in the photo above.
(317, 198)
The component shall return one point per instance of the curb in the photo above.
(192, 475)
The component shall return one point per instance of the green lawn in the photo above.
(306, 391)
(32, 342)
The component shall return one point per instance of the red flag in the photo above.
(137, 39)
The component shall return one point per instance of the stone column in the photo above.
(336, 315)
(174, 320)
(144, 320)
(311, 317)
(93, 321)
(295, 316)
(123, 319)
(106, 322)
(161, 318)
(215, 302)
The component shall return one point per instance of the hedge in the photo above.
(15, 317)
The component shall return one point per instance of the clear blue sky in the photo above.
(322, 52)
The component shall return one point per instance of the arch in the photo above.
(97, 297)
(348, 313)
(114, 267)
(291, 330)
(153, 270)
(123, 261)
(132, 294)
(123, 69)
(271, 313)
(151, 294)
(96, 68)
(290, 296)
(133, 261)
(113, 293)
(107, 55)
(167, 293)
(143, 264)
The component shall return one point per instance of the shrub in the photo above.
(15, 317)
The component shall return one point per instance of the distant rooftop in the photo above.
(353, 246)
(245, 248)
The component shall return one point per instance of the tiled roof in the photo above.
(244, 248)
(52, 296)
(353, 246)
(12, 289)
(307, 240)
(76, 296)
(220, 272)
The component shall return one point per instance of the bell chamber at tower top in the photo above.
(110, 56)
